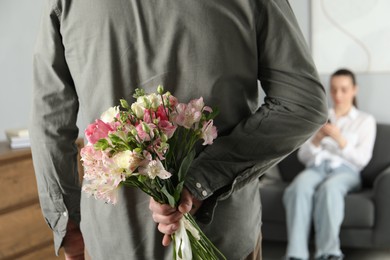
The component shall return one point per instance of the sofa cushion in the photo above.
(359, 210)
(380, 157)
(290, 166)
(359, 206)
(272, 201)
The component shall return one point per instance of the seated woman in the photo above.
(333, 157)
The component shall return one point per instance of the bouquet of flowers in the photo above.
(150, 145)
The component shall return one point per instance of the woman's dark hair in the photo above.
(348, 73)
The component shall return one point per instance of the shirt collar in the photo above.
(352, 114)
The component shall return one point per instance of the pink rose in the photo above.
(148, 116)
(97, 130)
(145, 131)
(167, 128)
(162, 113)
(170, 100)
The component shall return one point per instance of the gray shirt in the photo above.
(91, 53)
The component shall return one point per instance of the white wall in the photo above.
(19, 21)
(374, 89)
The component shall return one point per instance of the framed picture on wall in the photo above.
(351, 33)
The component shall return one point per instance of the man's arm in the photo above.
(53, 128)
(295, 107)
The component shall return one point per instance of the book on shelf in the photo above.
(18, 138)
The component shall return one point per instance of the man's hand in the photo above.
(73, 243)
(168, 218)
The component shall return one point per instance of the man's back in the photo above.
(91, 53)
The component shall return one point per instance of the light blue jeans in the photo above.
(317, 194)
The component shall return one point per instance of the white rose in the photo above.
(154, 100)
(109, 115)
(143, 101)
(138, 109)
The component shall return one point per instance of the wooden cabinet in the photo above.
(23, 231)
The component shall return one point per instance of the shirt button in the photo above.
(65, 214)
(198, 185)
(204, 193)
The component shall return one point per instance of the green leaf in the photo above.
(178, 191)
(171, 199)
(213, 114)
(180, 254)
(115, 139)
(139, 92)
(101, 144)
(185, 165)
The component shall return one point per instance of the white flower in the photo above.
(154, 100)
(143, 101)
(109, 115)
(188, 226)
(154, 169)
(127, 160)
(122, 159)
(139, 109)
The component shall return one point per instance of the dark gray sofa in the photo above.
(367, 212)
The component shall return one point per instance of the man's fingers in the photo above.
(162, 209)
(166, 240)
(168, 229)
(167, 219)
(186, 203)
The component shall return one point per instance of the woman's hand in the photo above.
(334, 132)
(168, 218)
(318, 137)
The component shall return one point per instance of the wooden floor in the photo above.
(271, 251)
(276, 251)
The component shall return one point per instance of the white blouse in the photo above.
(358, 128)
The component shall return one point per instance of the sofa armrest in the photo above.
(381, 236)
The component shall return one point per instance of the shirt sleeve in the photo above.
(360, 154)
(308, 153)
(295, 107)
(53, 129)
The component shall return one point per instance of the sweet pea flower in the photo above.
(155, 169)
(110, 114)
(97, 130)
(209, 132)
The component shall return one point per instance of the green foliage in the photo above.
(102, 145)
(139, 92)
